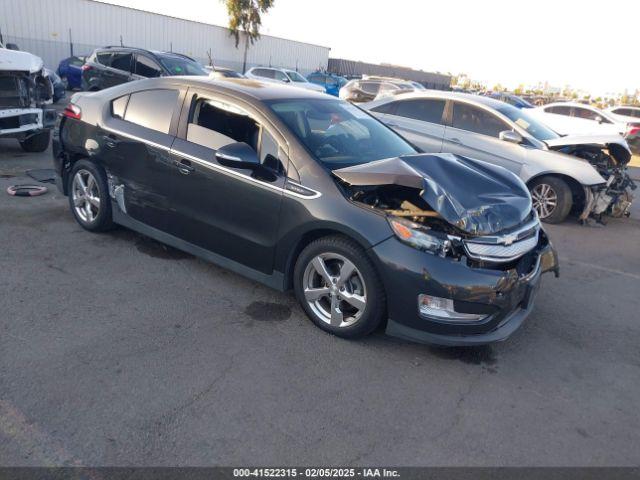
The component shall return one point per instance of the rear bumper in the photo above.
(505, 297)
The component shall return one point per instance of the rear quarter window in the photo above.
(152, 109)
(119, 107)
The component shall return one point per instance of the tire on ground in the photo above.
(563, 194)
(375, 310)
(103, 220)
(36, 143)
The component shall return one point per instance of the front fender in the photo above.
(544, 162)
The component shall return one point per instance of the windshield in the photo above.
(182, 66)
(295, 76)
(338, 133)
(525, 121)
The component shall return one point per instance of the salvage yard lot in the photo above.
(117, 350)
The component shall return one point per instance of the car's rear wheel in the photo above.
(89, 197)
(551, 198)
(36, 143)
(339, 288)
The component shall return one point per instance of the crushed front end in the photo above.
(464, 264)
(615, 196)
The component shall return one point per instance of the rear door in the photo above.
(419, 120)
(119, 70)
(145, 67)
(474, 132)
(229, 211)
(136, 141)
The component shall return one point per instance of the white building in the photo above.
(49, 28)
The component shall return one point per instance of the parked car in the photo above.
(58, 87)
(370, 88)
(221, 72)
(70, 72)
(511, 99)
(631, 115)
(553, 167)
(330, 82)
(301, 190)
(571, 118)
(110, 66)
(282, 76)
(25, 96)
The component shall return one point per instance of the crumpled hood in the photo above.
(13, 60)
(475, 196)
(616, 145)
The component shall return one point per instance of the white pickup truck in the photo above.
(25, 93)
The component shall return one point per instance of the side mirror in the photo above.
(238, 155)
(599, 119)
(510, 136)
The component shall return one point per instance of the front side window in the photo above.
(371, 88)
(337, 133)
(389, 108)
(528, 123)
(281, 76)
(215, 124)
(421, 109)
(264, 72)
(146, 67)
(152, 109)
(122, 61)
(474, 119)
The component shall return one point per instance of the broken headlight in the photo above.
(419, 237)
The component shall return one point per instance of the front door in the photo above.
(474, 133)
(228, 211)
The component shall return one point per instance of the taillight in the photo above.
(72, 111)
(633, 131)
(86, 67)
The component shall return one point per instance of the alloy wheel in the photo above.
(545, 199)
(85, 195)
(334, 290)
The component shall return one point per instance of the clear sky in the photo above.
(593, 45)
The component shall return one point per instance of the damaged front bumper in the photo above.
(614, 198)
(21, 122)
(502, 297)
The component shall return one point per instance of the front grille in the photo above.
(12, 92)
(500, 253)
(506, 247)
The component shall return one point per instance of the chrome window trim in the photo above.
(220, 168)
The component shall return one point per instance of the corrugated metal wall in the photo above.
(42, 27)
(350, 68)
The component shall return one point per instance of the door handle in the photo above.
(110, 141)
(456, 141)
(184, 166)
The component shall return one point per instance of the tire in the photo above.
(362, 288)
(552, 189)
(83, 200)
(37, 143)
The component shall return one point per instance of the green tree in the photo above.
(245, 16)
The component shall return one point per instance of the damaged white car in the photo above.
(25, 92)
(586, 174)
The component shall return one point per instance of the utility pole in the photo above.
(70, 43)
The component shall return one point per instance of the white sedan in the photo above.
(282, 76)
(569, 118)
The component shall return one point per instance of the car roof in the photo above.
(159, 53)
(469, 97)
(569, 104)
(242, 87)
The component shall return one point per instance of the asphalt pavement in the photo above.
(117, 350)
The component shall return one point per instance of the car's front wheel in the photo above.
(89, 196)
(338, 287)
(551, 198)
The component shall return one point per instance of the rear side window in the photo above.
(473, 119)
(215, 124)
(623, 111)
(76, 62)
(370, 87)
(122, 61)
(146, 67)
(119, 106)
(104, 58)
(152, 109)
(559, 110)
(423, 110)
